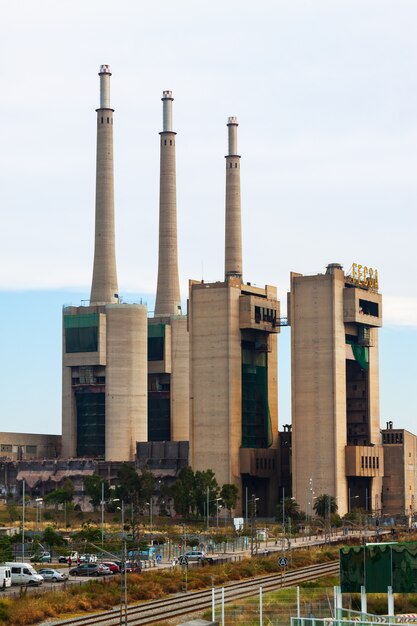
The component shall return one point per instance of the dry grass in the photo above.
(102, 595)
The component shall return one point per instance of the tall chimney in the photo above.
(168, 299)
(233, 246)
(104, 284)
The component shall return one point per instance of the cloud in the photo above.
(400, 311)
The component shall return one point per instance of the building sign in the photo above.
(364, 276)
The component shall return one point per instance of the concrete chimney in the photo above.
(233, 247)
(104, 288)
(168, 299)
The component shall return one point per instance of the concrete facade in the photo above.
(29, 446)
(335, 390)
(400, 474)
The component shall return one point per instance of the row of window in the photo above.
(265, 315)
(231, 165)
(265, 464)
(8, 447)
(371, 462)
(392, 437)
(109, 120)
(170, 142)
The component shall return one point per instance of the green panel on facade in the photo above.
(81, 332)
(256, 418)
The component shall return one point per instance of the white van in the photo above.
(5, 577)
(24, 574)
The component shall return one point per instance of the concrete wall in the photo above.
(215, 380)
(126, 380)
(180, 380)
(27, 446)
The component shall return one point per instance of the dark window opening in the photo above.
(368, 308)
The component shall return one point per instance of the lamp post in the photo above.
(217, 512)
(39, 502)
(150, 520)
(253, 523)
(350, 498)
(102, 513)
(23, 519)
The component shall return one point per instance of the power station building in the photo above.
(206, 383)
(168, 353)
(336, 441)
(233, 330)
(104, 372)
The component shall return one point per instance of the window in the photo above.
(108, 120)
(6, 447)
(235, 165)
(377, 462)
(101, 120)
(165, 142)
(170, 142)
(31, 449)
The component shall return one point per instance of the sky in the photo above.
(326, 97)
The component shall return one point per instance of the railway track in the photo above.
(196, 601)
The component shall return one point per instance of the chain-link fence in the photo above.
(275, 608)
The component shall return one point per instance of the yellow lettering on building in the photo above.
(364, 276)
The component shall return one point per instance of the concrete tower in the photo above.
(233, 367)
(336, 441)
(168, 356)
(104, 285)
(233, 244)
(168, 299)
(104, 373)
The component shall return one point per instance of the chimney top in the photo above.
(104, 69)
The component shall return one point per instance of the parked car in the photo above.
(90, 569)
(113, 567)
(41, 557)
(5, 577)
(53, 575)
(62, 559)
(85, 569)
(88, 558)
(195, 555)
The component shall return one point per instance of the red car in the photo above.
(115, 569)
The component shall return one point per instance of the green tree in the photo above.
(291, 510)
(325, 505)
(183, 492)
(147, 483)
(51, 537)
(61, 495)
(88, 533)
(130, 492)
(229, 493)
(6, 549)
(203, 481)
(93, 486)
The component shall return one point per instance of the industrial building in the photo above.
(336, 441)
(400, 472)
(104, 372)
(233, 330)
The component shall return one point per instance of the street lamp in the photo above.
(39, 502)
(217, 500)
(350, 499)
(150, 519)
(253, 514)
(102, 512)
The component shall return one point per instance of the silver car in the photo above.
(53, 575)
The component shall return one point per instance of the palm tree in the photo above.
(325, 505)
